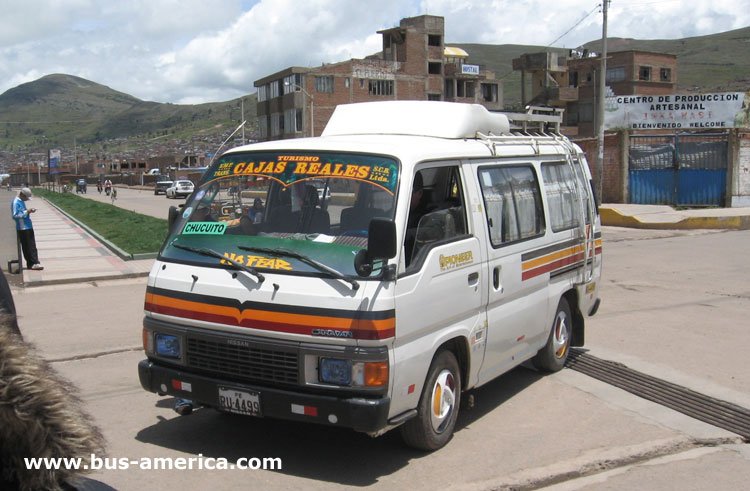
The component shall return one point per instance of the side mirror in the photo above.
(381, 245)
(381, 242)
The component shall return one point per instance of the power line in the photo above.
(575, 25)
(598, 6)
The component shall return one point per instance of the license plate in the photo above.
(239, 401)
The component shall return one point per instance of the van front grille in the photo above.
(245, 361)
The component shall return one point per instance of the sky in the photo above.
(195, 51)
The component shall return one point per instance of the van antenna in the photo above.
(242, 124)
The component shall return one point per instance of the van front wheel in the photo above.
(438, 406)
(552, 356)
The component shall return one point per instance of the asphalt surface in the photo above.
(682, 321)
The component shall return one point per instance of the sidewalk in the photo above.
(71, 255)
(667, 218)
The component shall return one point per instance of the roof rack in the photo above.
(545, 119)
(538, 125)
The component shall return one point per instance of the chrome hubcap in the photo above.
(561, 335)
(443, 401)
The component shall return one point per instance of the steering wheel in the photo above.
(247, 226)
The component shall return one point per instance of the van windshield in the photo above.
(263, 210)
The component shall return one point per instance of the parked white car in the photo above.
(180, 189)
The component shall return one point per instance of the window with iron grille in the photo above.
(489, 92)
(263, 126)
(290, 121)
(665, 74)
(324, 84)
(380, 87)
(262, 93)
(616, 74)
(292, 83)
(277, 124)
(644, 73)
(273, 89)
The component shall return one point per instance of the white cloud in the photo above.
(198, 51)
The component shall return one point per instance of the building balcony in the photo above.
(563, 94)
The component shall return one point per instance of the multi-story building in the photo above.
(573, 82)
(414, 64)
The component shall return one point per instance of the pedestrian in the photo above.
(24, 228)
(256, 212)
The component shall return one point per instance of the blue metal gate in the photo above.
(681, 169)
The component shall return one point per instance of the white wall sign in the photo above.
(470, 69)
(375, 71)
(677, 111)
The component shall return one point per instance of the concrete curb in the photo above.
(83, 279)
(614, 218)
(124, 255)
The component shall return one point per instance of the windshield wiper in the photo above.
(305, 259)
(212, 253)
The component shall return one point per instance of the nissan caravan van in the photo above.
(454, 245)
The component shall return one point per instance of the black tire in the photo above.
(551, 358)
(424, 431)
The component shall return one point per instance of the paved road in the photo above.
(142, 201)
(673, 307)
(145, 202)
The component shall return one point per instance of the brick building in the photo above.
(628, 73)
(572, 82)
(414, 64)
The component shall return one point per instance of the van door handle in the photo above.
(473, 278)
(496, 277)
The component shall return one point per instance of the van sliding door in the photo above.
(517, 301)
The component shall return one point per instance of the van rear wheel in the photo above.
(438, 406)
(552, 357)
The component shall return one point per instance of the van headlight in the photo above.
(162, 344)
(167, 345)
(344, 372)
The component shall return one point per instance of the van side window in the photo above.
(436, 212)
(512, 202)
(560, 188)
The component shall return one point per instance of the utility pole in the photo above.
(242, 101)
(602, 97)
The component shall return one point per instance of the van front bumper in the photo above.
(357, 413)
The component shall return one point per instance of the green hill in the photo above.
(56, 109)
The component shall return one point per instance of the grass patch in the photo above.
(130, 231)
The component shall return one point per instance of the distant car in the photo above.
(324, 192)
(180, 189)
(162, 186)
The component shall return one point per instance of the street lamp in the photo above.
(312, 102)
